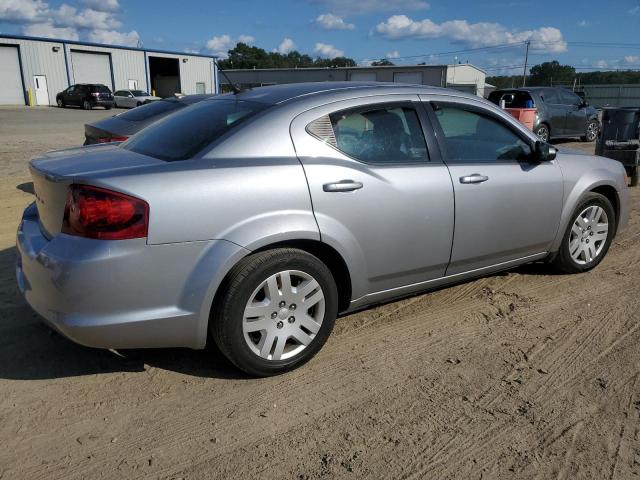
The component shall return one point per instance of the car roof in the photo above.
(275, 94)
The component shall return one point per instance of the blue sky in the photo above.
(405, 31)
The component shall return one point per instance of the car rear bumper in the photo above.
(121, 294)
(104, 103)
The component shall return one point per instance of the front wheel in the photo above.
(60, 103)
(542, 132)
(593, 127)
(588, 236)
(634, 176)
(275, 311)
(86, 105)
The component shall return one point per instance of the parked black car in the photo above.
(121, 126)
(86, 95)
(560, 112)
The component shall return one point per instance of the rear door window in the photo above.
(185, 133)
(569, 98)
(551, 96)
(379, 134)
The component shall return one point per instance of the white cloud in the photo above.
(89, 19)
(286, 45)
(635, 10)
(394, 54)
(98, 22)
(346, 7)
(103, 5)
(248, 39)
(601, 64)
(473, 34)
(583, 23)
(328, 51)
(631, 59)
(220, 45)
(19, 11)
(191, 50)
(113, 37)
(49, 31)
(329, 21)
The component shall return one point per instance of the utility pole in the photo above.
(526, 60)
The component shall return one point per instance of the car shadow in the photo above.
(30, 350)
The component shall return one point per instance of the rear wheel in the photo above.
(593, 127)
(138, 104)
(542, 132)
(588, 236)
(275, 311)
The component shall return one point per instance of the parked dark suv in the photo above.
(86, 95)
(560, 112)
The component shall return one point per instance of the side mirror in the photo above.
(130, 96)
(545, 152)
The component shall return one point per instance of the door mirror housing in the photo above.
(545, 152)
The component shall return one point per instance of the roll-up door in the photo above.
(10, 82)
(89, 67)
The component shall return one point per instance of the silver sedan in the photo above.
(256, 218)
(132, 98)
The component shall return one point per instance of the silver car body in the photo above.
(410, 228)
(127, 99)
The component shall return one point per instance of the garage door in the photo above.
(10, 82)
(363, 76)
(91, 68)
(414, 78)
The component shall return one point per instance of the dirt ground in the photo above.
(523, 375)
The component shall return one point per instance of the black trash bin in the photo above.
(619, 138)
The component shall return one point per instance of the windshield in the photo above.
(139, 93)
(185, 133)
(160, 107)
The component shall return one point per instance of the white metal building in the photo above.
(47, 66)
(465, 77)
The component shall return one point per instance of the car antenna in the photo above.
(234, 87)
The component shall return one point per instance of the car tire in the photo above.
(542, 132)
(292, 335)
(60, 103)
(592, 130)
(138, 104)
(107, 107)
(580, 250)
(86, 105)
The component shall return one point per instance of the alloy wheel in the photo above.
(283, 315)
(592, 131)
(588, 234)
(543, 133)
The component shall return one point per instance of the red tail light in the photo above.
(112, 139)
(94, 212)
(95, 94)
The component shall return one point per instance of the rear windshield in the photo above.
(99, 88)
(187, 132)
(512, 99)
(145, 112)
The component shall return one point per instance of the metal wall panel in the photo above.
(10, 82)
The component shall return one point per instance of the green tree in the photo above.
(548, 72)
(382, 63)
(245, 56)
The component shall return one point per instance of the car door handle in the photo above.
(342, 186)
(474, 178)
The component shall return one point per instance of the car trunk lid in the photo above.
(54, 172)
